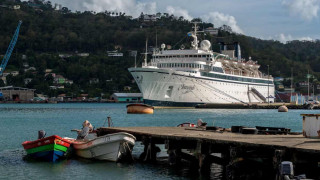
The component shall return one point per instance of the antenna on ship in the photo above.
(156, 38)
(146, 54)
(193, 34)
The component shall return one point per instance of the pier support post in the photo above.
(233, 158)
(174, 156)
(174, 152)
(150, 150)
(277, 158)
(203, 155)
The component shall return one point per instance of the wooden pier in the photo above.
(203, 145)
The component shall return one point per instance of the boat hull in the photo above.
(110, 147)
(50, 148)
(51, 156)
(165, 87)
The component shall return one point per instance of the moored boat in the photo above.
(111, 147)
(188, 77)
(50, 148)
(139, 109)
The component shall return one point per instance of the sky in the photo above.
(282, 20)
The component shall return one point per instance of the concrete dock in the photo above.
(257, 106)
(202, 144)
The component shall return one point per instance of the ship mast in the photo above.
(146, 54)
(193, 34)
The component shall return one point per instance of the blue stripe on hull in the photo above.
(48, 155)
(169, 103)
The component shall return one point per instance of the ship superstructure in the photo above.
(187, 77)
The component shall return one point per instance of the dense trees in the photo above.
(46, 33)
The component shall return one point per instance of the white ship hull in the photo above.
(109, 147)
(166, 87)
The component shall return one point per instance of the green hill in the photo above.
(46, 33)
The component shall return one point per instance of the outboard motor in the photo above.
(41, 134)
(286, 170)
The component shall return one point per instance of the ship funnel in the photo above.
(237, 50)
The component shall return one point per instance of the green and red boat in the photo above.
(50, 148)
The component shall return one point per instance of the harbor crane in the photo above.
(10, 49)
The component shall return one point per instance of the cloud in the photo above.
(177, 11)
(306, 9)
(131, 7)
(219, 19)
(135, 7)
(285, 38)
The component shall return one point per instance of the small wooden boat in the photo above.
(50, 148)
(139, 109)
(111, 147)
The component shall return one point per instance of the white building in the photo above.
(211, 30)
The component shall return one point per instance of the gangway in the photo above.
(10, 49)
(256, 92)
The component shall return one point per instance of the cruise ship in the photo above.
(187, 77)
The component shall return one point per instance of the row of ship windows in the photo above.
(220, 76)
(190, 71)
(233, 92)
(184, 56)
(189, 65)
(182, 65)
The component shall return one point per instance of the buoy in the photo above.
(283, 108)
(139, 109)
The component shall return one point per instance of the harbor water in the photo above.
(21, 122)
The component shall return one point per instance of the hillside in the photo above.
(46, 33)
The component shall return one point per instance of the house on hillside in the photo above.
(14, 73)
(27, 80)
(83, 54)
(94, 81)
(59, 79)
(48, 71)
(127, 97)
(211, 31)
(114, 54)
(67, 81)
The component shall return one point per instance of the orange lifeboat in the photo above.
(139, 109)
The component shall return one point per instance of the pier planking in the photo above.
(204, 147)
(296, 142)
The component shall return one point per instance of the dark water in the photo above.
(21, 122)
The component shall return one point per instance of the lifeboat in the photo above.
(139, 109)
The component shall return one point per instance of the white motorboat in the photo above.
(111, 147)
